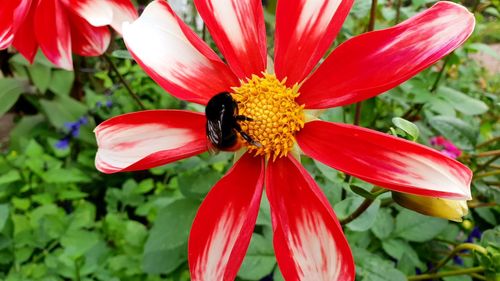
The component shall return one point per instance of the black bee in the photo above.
(222, 123)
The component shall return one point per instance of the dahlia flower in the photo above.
(60, 27)
(276, 104)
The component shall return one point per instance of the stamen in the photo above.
(275, 115)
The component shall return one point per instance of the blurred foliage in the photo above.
(60, 219)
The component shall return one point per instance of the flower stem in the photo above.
(488, 142)
(428, 276)
(487, 174)
(458, 249)
(376, 191)
(486, 164)
(416, 108)
(398, 10)
(360, 210)
(371, 26)
(123, 81)
(373, 13)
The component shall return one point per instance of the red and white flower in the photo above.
(60, 27)
(308, 239)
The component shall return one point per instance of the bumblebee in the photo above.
(223, 129)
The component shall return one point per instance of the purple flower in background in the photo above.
(446, 147)
(62, 143)
(458, 260)
(474, 234)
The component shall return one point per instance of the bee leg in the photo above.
(243, 118)
(246, 137)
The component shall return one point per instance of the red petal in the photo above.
(147, 139)
(384, 160)
(88, 40)
(123, 11)
(238, 29)
(175, 57)
(12, 15)
(374, 62)
(308, 240)
(305, 29)
(24, 41)
(224, 224)
(52, 30)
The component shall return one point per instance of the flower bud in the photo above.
(431, 206)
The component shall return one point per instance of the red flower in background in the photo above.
(308, 239)
(60, 27)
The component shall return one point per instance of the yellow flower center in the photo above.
(275, 116)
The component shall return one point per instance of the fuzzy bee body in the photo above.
(223, 129)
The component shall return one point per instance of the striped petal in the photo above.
(147, 139)
(123, 11)
(96, 12)
(308, 240)
(86, 39)
(12, 15)
(384, 160)
(52, 30)
(305, 29)
(222, 229)
(238, 29)
(24, 41)
(369, 64)
(175, 57)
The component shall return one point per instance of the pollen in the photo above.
(275, 116)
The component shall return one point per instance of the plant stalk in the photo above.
(371, 27)
(123, 81)
(429, 276)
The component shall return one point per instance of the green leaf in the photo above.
(65, 175)
(62, 82)
(259, 260)
(407, 126)
(487, 214)
(462, 102)
(196, 183)
(166, 247)
(10, 90)
(122, 54)
(4, 215)
(396, 248)
(461, 133)
(10, 176)
(416, 227)
(370, 267)
(62, 109)
(77, 242)
(41, 76)
(384, 224)
(484, 48)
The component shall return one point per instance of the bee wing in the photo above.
(214, 135)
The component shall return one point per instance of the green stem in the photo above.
(376, 191)
(123, 81)
(373, 14)
(360, 210)
(485, 165)
(458, 249)
(398, 10)
(483, 144)
(428, 276)
(371, 27)
(77, 270)
(486, 174)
